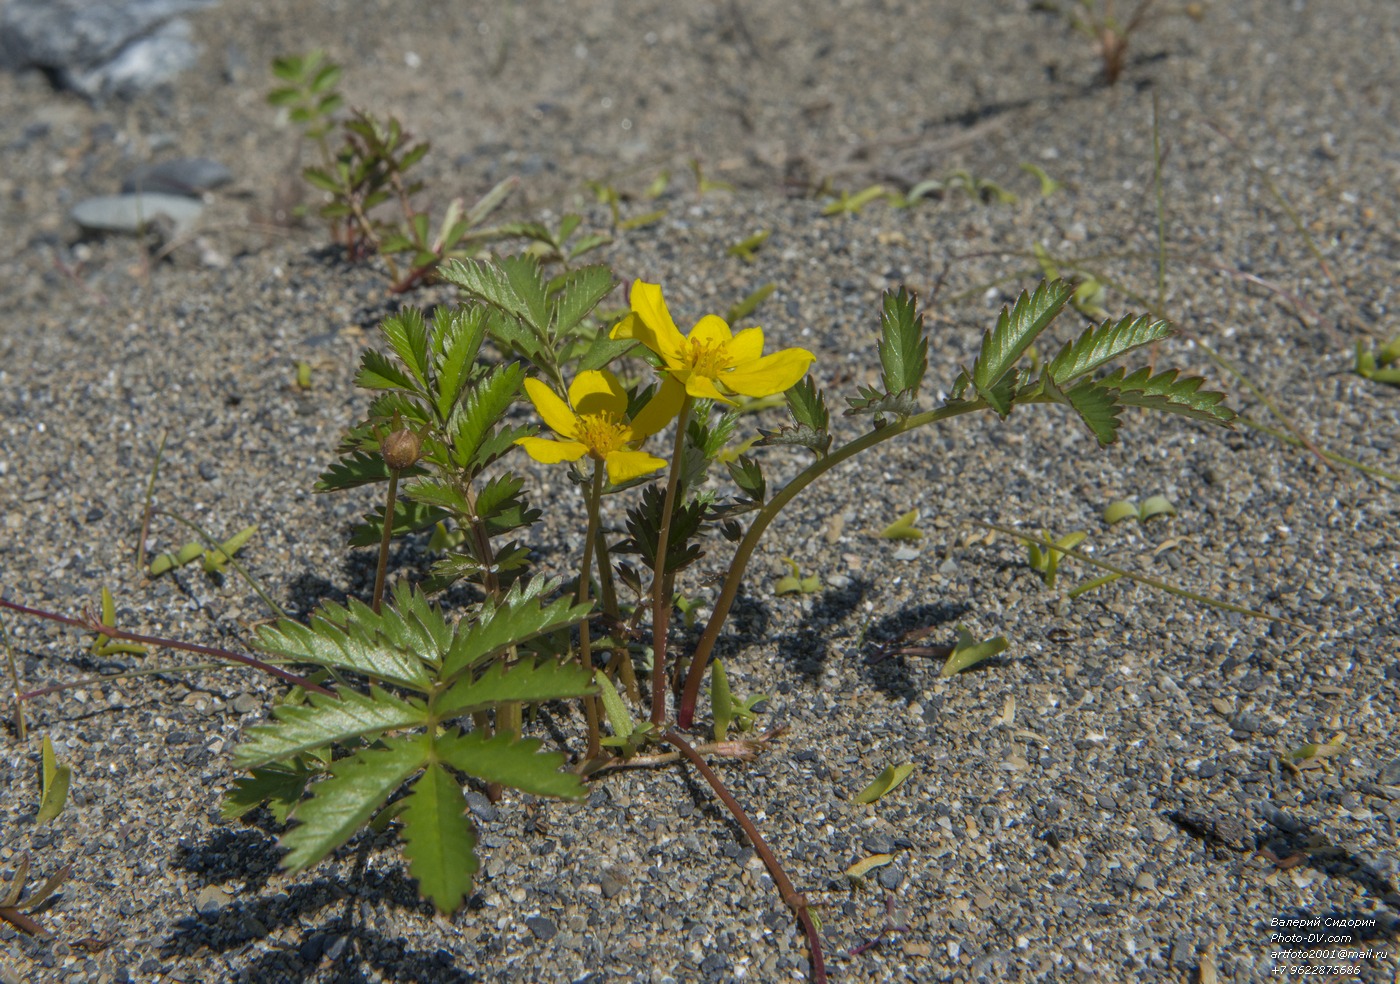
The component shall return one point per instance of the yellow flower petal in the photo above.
(598, 391)
(746, 347)
(711, 330)
(627, 327)
(701, 387)
(660, 409)
(623, 466)
(654, 327)
(556, 413)
(771, 374)
(551, 452)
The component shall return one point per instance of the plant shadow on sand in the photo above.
(341, 948)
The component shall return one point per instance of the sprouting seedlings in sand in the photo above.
(1382, 364)
(104, 645)
(794, 583)
(746, 248)
(906, 527)
(704, 184)
(849, 203)
(55, 778)
(20, 910)
(1048, 185)
(1312, 755)
(749, 304)
(1153, 507)
(885, 783)
(727, 710)
(553, 245)
(968, 651)
(216, 558)
(1046, 561)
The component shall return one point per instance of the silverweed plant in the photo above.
(399, 704)
(413, 702)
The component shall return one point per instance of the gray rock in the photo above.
(132, 213)
(542, 926)
(188, 176)
(100, 49)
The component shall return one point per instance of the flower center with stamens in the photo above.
(708, 358)
(602, 434)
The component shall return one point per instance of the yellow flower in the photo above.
(713, 361)
(594, 422)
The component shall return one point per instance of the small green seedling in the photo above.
(1048, 185)
(904, 528)
(104, 645)
(1153, 507)
(309, 94)
(849, 204)
(553, 245)
(19, 912)
(866, 865)
(56, 779)
(956, 180)
(1382, 365)
(728, 710)
(745, 249)
(1047, 560)
(704, 185)
(885, 783)
(303, 377)
(968, 652)
(658, 185)
(795, 583)
(748, 305)
(1089, 294)
(643, 220)
(215, 560)
(1313, 756)
(628, 736)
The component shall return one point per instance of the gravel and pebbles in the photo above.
(1103, 801)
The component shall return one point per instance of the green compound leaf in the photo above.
(1098, 408)
(341, 805)
(1016, 328)
(903, 344)
(355, 469)
(516, 619)
(513, 284)
(482, 408)
(457, 338)
(379, 372)
(808, 406)
(886, 782)
(527, 683)
(1165, 391)
(439, 839)
(323, 721)
(580, 291)
(343, 639)
(1101, 344)
(278, 785)
(512, 762)
(408, 334)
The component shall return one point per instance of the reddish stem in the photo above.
(92, 624)
(794, 899)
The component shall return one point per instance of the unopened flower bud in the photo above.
(401, 449)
